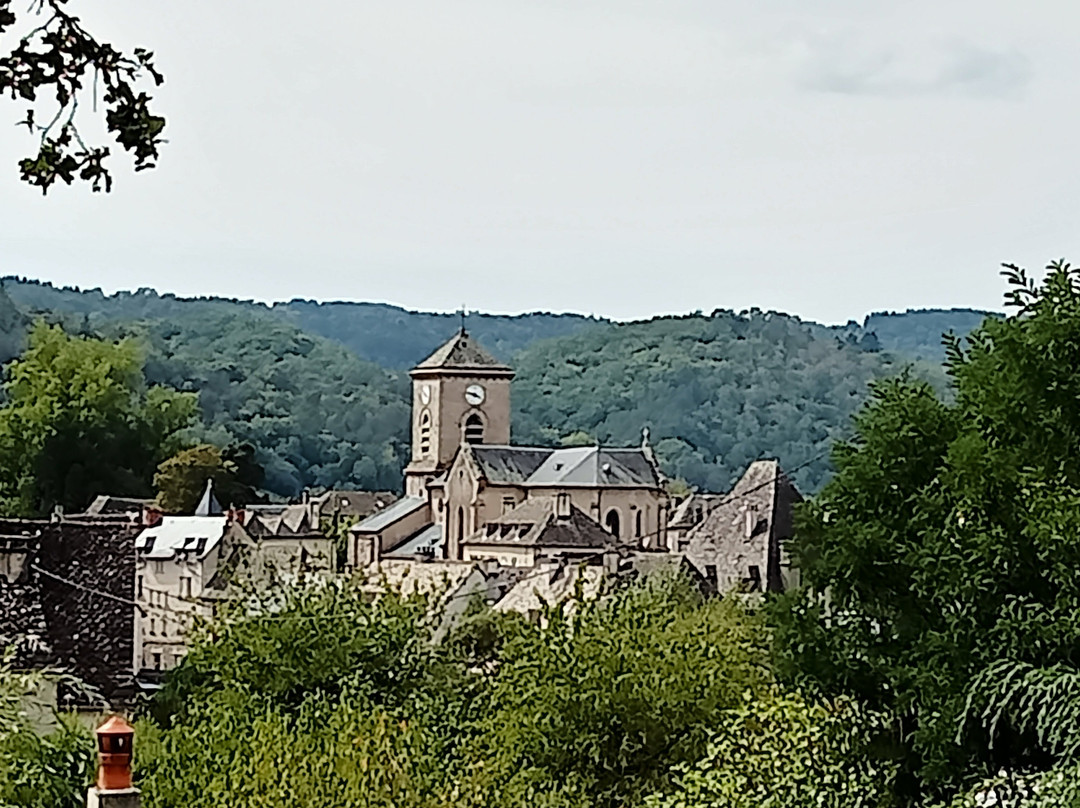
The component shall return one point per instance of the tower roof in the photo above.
(462, 352)
(208, 505)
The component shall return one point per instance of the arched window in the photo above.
(474, 429)
(637, 525)
(611, 522)
(425, 433)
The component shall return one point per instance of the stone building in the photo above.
(469, 489)
(740, 539)
(187, 564)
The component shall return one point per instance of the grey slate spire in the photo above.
(208, 505)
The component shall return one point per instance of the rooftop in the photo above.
(462, 352)
(195, 534)
(534, 523)
(587, 466)
(387, 516)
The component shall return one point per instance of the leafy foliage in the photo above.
(946, 540)
(916, 333)
(595, 707)
(717, 392)
(80, 421)
(317, 696)
(58, 56)
(776, 750)
(181, 480)
(40, 767)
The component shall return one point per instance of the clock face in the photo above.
(474, 394)
(425, 394)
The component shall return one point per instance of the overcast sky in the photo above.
(617, 157)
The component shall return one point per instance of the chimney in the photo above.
(562, 505)
(113, 788)
(151, 516)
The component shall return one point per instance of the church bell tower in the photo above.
(461, 393)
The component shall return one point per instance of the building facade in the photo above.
(465, 474)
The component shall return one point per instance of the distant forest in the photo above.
(321, 389)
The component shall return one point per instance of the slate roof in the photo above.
(73, 605)
(429, 538)
(692, 509)
(208, 505)
(748, 526)
(193, 534)
(106, 504)
(354, 503)
(287, 520)
(22, 615)
(462, 352)
(533, 523)
(586, 466)
(387, 516)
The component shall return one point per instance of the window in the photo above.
(753, 582)
(185, 587)
(425, 433)
(637, 525)
(159, 568)
(138, 588)
(508, 504)
(460, 525)
(157, 661)
(153, 626)
(611, 522)
(474, 429)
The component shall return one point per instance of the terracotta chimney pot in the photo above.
(115, 738)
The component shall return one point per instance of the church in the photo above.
(471, 495)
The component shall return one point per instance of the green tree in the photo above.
(47, 764)
(776, 750)
(947, 539)
(181, 480)
(596, 706)
(315, 696)
(55, 55)
(79, 420)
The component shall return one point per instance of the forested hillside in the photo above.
(389, 336)
(318, 415)
(398, 339)
(916, 333)
(716, 391)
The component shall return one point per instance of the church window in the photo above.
(474, 429)
(425, 433)
(637, 526)
(611, 522)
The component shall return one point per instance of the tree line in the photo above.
(717, 391)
